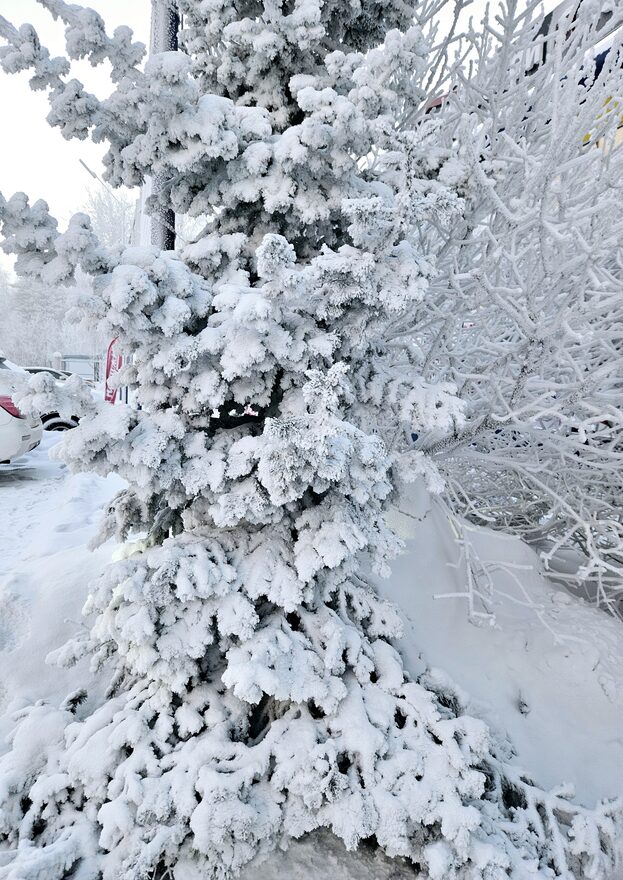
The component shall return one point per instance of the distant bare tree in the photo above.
(36, 321)
(112, 215)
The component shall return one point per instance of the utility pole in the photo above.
(165, 25)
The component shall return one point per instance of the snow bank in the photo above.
(548, 672)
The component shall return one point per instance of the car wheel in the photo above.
(57, 423)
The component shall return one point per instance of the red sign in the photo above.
(114, 362)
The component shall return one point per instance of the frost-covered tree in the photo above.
(35, 322)
(256, 688)
(524, 313)
(5, 281)
(111, 215)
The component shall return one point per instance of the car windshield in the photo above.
(58, 374)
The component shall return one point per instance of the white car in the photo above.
(18, 435)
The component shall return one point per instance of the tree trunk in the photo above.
(165, 23)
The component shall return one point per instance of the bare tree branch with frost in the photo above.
(524, 312)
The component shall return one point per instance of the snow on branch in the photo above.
(525, 308)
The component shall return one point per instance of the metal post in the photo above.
(165, 24)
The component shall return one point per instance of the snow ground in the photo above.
(47, 518)
(561, 702)
(548, 672)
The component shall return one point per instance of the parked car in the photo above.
(18, 435)
(13, 377)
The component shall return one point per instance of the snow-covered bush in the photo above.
(524, 312)
(257, 692)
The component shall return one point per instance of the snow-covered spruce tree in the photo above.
(256, 690)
